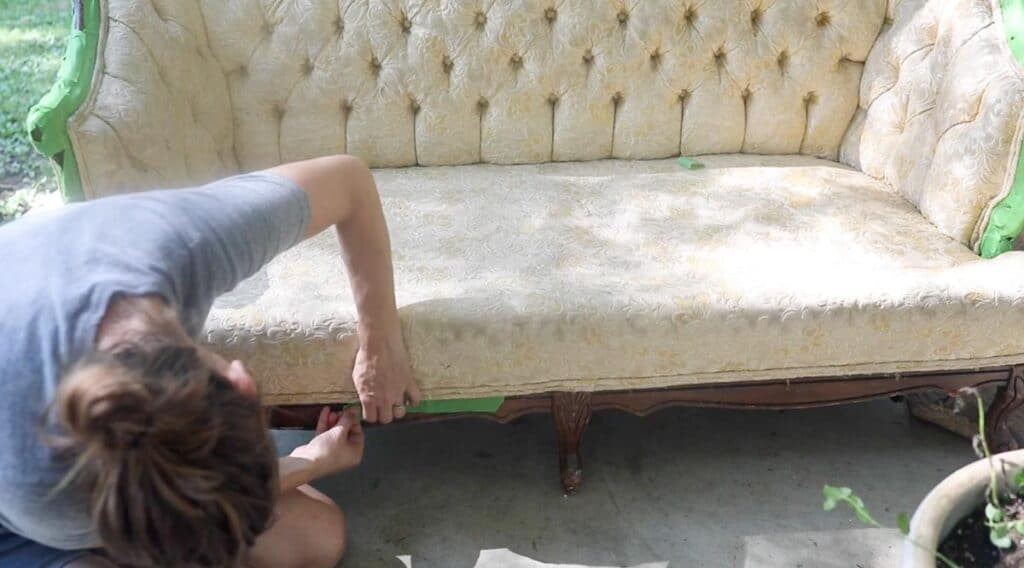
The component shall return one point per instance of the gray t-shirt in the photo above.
(58, 271)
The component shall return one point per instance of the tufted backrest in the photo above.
(941, 111)
(191, 88)
(158, 113)
(405, 82)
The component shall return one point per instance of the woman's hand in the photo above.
(383, 377)
(342, 192)
(338, 444)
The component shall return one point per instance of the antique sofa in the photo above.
(840, 226)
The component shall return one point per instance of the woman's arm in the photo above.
(342, 193)
(337, 446)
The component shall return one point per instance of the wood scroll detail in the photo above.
(1009, 398)
(571, 411)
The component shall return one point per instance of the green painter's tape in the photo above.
(47, 121)
(487, 404)
(690, 163)
(1006, 221)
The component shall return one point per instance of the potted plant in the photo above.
(973, 518)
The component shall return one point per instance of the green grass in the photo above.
(32, 34)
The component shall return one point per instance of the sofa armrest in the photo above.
(941, 116)
(158, 112)
(47, 120)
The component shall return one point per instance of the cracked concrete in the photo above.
(685, 485)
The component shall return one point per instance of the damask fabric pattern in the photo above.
(941, 112)
(628, 274)
(159, 114)
(188, 89)
(607, 274)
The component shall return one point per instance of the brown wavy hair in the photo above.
(181, 466)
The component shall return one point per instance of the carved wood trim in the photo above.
(794, 393)
(1009, 397)
(571, 411)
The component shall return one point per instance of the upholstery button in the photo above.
(481, 104)
(755, 19)
(346, 108)
(550, 14)
(745, 95)
(481, 19)
(810, 98)
(690, 15)
(588, 57)
(623, 16)
(719, 56)
(375, 65)
(307, 67)
(552, 99)
(783, 60)
(683, 95)
(617, 97)
(656, 57)
(516, 61)
(414, 105)
(446, 64)
(406, 24)
(278, 111)
(339, 25)
(822, 19)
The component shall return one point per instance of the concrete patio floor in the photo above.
(684, 485)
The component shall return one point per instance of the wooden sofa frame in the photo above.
(572, 410)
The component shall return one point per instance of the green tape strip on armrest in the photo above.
(487, 404)
(47, 121)
(1006, 221)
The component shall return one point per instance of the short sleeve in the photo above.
(229, 230)
(188, 245)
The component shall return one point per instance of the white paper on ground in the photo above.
(505, 558)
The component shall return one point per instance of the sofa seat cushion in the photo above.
(617, 275)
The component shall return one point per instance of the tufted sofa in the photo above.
(846, 237)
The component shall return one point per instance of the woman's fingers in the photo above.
(323, 421)
(349, 418)
(369, 408)
(413, 394)
(385, 413)
(349, 421)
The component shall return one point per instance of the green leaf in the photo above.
(992, 513)
(833, 495)
(863, 515)
(903, 522)
(836, 495)
(1018, 481)
(1000, 536)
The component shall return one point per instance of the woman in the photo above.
(130, 444)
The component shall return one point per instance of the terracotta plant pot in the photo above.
(948, 502)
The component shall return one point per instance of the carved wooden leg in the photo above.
(571, 411)
(1009, 397)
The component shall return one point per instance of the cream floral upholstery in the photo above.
(629, 274)
(941, 113)
(578, 275)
